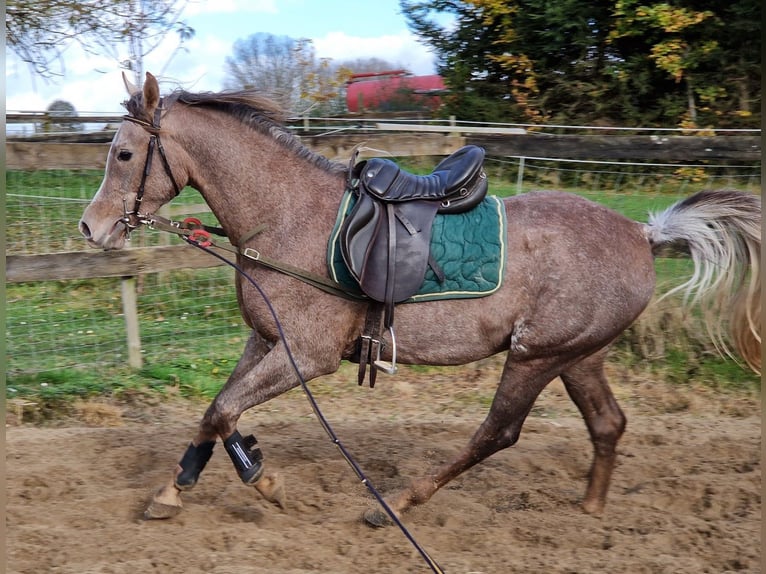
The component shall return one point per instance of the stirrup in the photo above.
(387, 367)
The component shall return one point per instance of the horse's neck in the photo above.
(257, 182)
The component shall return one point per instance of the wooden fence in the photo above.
(671, 148)
(129, 263)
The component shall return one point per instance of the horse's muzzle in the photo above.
(113, 238)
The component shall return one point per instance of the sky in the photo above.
(339, 29)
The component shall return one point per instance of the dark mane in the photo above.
(251, 108)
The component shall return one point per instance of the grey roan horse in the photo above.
(577, 275)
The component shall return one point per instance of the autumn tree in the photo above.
(692, 62)
(710, 51)
(478, 84)
(288, 71)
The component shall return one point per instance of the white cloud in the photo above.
(399, 49)
(93, 83)
(86, 89)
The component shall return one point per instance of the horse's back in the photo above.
(576, 275)
(575, 232)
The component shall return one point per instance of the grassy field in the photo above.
(66, 339)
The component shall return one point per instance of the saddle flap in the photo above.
(366, 244)
(358, 232)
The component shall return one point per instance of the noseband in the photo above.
(154, 141)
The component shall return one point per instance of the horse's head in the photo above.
(141, 173)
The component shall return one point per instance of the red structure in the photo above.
(393, 91)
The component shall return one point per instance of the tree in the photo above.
(711, 51)
(40, 31)
(676, 48)
(369, 65)
(60, 109)
(267, 62)
(145, 25)
(689, 62)
(288, 71)
(478, 85)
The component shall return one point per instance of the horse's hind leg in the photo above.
(587, 386)
(520, 386)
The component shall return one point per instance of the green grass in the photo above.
(65, 340)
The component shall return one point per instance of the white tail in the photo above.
(721, 231)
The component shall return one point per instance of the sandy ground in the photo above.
(686, 494)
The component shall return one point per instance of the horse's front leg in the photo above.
(261, 374)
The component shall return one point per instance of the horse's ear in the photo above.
(151, 94)
(129, 86)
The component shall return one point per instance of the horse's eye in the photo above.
(124, 155)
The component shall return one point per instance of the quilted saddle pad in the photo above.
(469, 248)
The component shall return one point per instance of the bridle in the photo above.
(153, 128)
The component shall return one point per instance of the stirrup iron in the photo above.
(387, 367)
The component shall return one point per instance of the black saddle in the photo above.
(457, 182)
(385, 240)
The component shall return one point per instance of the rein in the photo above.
(192, 229)
(194, 233)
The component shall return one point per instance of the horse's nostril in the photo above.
(84, 229)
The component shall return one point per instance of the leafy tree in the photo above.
(40, 31)
(60, 109)
(369, 65)
(556, 54)
(703, 58)
(478, 84)
(288, 71)
(689, 62)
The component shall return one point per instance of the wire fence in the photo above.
(59, 325)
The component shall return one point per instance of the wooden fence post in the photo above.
(130, 310)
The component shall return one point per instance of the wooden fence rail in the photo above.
(92, 264)
(36, 155)
(130, 263)
(126, 264)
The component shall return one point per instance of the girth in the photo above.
(385, 240)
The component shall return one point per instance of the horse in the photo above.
(577, 275)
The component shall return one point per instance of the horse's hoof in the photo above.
(166, 503)
(594, 508)
(159, 511)
(377, 518)
(272, 488)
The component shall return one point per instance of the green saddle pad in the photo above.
(468, 247)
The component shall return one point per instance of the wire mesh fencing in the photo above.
(54, 325)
